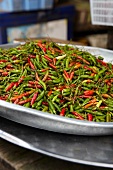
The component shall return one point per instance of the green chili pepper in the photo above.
(40, 96)
(51, 106)
(43, 84)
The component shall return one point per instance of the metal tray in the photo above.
(83, 150)
(55, 123)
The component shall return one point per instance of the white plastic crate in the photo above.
(101, 12)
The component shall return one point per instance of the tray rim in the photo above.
(35, 112)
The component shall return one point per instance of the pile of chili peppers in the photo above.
(59, 79)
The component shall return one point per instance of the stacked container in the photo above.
(24, 5)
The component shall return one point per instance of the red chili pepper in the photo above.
(91, 102)
(108, 81)
(88, 92)
(57, 50)
(44, 49)
(31, 64)
(16, 101)
(61, 88)
(32, 56)
(22, 95)
(82, 59)
(19, 81)
(14, 57)
(49, 78)
(35, 86)
(9, 66)
(85, 96)
(52, 50)
(16, 84)
(106, 95)
(45, 69)
(42, 46)
(66, 74)
(72, 63)
(45, 103)
(60, 96)
(62, 101)
(87, 81)
(90, 117)
(62, 113)
(49, 93)
(77, 65)
(24, 101)
(5, 74)
(88, 68)
(1, 71)
(33, 82)
(71, 75)
(102, 107)
(38, 86)
(47, 58)
(45, 77)
(92, 74)
(34, 98)
(54, 61)
(4, 97)
(10, 86)
(3, 61)
(37, 77)
(72, 85)
(78, 115)
(65, 77)
(85, 61)
(15, 93)
(51, 65)
(102, 62)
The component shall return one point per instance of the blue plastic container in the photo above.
(46, 4)
(38, 4)
(31, 4)
(11, 5)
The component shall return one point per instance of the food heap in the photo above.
(58, 79)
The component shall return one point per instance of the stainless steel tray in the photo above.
(83, 150)
(55, 123)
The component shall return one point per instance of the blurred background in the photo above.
(62, 19)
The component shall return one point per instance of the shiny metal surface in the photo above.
(87, 150)
(38, 119)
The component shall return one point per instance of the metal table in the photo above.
(87, 150)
